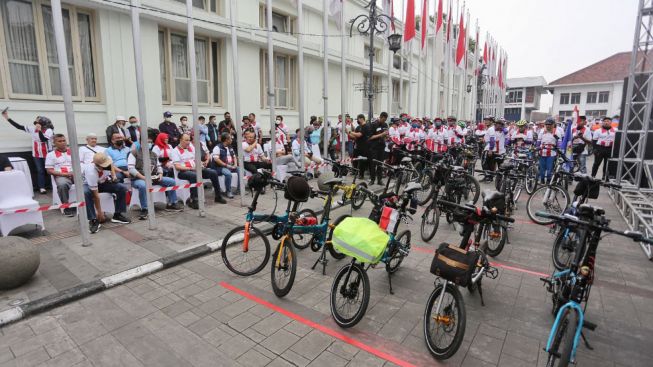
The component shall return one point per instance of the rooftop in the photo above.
(609, 69)
(530, 81)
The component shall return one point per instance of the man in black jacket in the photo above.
(213, 133)
(133, 131)
(378, 130)
(118, 127)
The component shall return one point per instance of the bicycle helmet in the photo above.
(324, 177)
(297, 189)
(521, 123)
(258, 181)
(462, 124)
(549, 121)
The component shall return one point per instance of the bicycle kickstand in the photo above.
(322, 259)
(480, 292)
(587, 343)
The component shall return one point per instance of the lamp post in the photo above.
(372, 24)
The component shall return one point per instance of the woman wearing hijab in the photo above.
(162, 150)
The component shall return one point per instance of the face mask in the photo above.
(119, 143)
(166, 119)
(134, 124)
(150, 145)
(438, 124)
(415, 126)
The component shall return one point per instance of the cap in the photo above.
(102, 160)
(451, 118)
(167, 114)
(549, 121)
(120, 118)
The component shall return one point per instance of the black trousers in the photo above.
(601, 154)
(191, 177)
(252, 167)
(376, 153)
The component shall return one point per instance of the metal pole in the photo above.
(401, 66)
(193, 100)
(142, 112)
(271, 94)
(66, 92)
(389, 89)
(325, 90)
(419, 79)
(236, 80)
(410, 76)
(434, 71)
(370, 90)
(343, 87)
(300, 64)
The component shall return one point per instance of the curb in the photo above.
(77, 292)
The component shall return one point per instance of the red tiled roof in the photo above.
(612, 68)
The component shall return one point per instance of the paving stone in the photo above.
(485, 348)
(311, 345)
(328, 359)
(470, 361)
(146, 347)
(236, 346)
(204, 325)
(177, 308)
(187, 318)
(252, 358)
(66, 359)
(280, 341)
(6, 354)
(294, 358)
(297, 328)
(280, 362)
(270, 324)
(42, 323)
(30, 359)
(343, 349)
(365, 359)
(521, 347)
(507, 360)
(253, 335)
(107, 351)
(243, 321)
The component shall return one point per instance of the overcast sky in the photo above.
(551, 38)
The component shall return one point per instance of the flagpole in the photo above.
(410, 75)
(343, 88)
(475, 92)
(325, 90)
(194, 107)
(402, 55)
(236, 81)
(300, 65)
(434, 75)
(271, 93)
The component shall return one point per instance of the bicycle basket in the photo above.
(361, 239)
(592, 189)
(454, 264)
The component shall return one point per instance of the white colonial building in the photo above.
(523, 97)
(596, 89)
(101, 58)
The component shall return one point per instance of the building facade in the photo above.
(523, 97)
(101, 59)
(597, 89)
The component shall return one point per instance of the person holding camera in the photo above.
(580, 144)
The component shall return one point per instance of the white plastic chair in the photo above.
(183, 194)
(157, 197)
(14, 194)
(106, 199)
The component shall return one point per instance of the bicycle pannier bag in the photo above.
(454, 264)
(360, 238)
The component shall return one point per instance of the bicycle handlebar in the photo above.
(484, 211)
(634, 235)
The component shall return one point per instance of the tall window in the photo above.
(377, 54)
(575, 98)
(396, 62)
(284, 80)
(395, 96)
(595, 114)
(604, 97)
(208, 5)
(564, 98)
(591, 97)
(281, 22)
(175, 69)
(564, 115)
(31, 54)
(514, 96)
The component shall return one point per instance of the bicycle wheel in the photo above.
(564, 248)
(358, 197)
(283, 268)
(495, 236)
(531, 180)
(245, 252)
(444, 329)
(517, 190)
(349, 301)
(303, 240)
(397, 256)
(426, 192)
(550, 199)
(430, 222)
(334, 253)
(563, 342)
(473, 188)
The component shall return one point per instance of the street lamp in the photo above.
(372, 24)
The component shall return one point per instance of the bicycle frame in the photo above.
(572, 304)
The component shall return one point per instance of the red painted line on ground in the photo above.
(316, 326)
(493, 263)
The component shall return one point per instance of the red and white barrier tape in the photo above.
(176, 187)
(43, 208)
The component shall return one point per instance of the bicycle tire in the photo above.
(358, 197)
(565, 241)
(558, 209)
(334, 253)
(336, 288)
(458, 304)
(503, 235)
(430, 215)
(301, 241)
(426, 192)
(472, 182)
(531, 180)
(231, 242)
(563, 342)
(287, 259)
(391, 267)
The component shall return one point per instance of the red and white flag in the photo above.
(500, 74)
(438, 24)
(462, 44)
(409, 21)
(424, 22)
(389, 10)
(449, 25)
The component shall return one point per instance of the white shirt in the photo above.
(86, 153)
(586, 133)
(60, 161)
(548, 142)
(603, 137)
(131, 163)
(526, 136)
(499, 140)
(92, 178)
(183, 157)
(253, 156)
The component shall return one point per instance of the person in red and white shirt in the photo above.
(603, 142)
(183, 159)
(58, 164)
(415, 136)
(547, 143)
(41, 133)
(253, 155)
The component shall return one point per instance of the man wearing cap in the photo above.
(582, 140)
(603, 142)
(183, 157)
(169, 127)
(547, 143)
(117, 127)
(59, 165)
(97, 179)
(496, 144)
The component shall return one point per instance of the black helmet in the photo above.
(297, 189)
(258, 181)
(549, 121)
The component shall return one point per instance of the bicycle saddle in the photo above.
(359, 159)
(457, 168)
(412, 187)
(406, 159)
(491, 195)
(326, 181)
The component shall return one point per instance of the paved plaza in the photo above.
(200, 314)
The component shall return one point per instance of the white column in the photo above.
(190, 40)
(343, 81)
(271, 94)
(300, 64)
(325, 90)
(236, 81)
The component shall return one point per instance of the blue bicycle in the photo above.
(571, 287)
